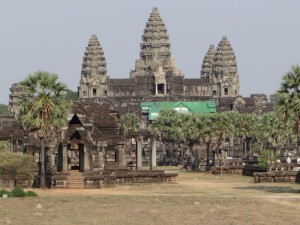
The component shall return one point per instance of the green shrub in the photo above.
(3, 191)
(18, 192)
(263, 163)
(31, 194)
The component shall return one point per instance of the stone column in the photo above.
(153, 154)
(52, 158)
(101, 158)
(65, 158)
(139, 157)
(86, 163)
(122, 156)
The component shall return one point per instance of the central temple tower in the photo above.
(155, 56)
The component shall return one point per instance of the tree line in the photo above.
(273, 130)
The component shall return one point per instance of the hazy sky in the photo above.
(52, 36)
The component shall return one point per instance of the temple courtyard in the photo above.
(194, 198)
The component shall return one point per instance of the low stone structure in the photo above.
(110, 178)
(277, 176)
(88, 152)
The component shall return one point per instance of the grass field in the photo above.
(195, 198)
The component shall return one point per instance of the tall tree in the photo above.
(247, 129)
(13, 165)
(167, 127)
(43, 108)
(287, 98)
(273, 131)
(207, 132)
(130, 122)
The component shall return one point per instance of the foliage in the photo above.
(72, 95)
(130, 123)
(43, 108)
(167, 124)
(4, 146)
(18, 191)
(3, 191)
(14, 164)
(3, 110)
(257, 131)
(265, 157)
(287, 98)
(31, 194)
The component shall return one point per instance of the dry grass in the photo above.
(194, 198)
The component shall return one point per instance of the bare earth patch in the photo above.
(195, 198)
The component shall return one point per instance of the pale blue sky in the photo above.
(52, 36)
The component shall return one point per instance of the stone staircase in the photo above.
(75, 179)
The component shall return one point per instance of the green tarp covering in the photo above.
(153, 108)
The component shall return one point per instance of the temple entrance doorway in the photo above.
(76, 157)
(160, 89)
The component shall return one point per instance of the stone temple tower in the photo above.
(155, 55)
(220, 67)
(93, 82)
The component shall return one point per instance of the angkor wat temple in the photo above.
(156, 77)
(92, 142)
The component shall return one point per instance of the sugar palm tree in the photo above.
(130, 122)
(247, 128)
(207, 132)
(43, 108)
(273, 131)
(167, 127)
(287, 98)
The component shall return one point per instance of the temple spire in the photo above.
(94, 63)
(225, 61)
(155, 54)
(93, 82)
(155, 40)
(207, 64)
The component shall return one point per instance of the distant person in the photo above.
(288, 160)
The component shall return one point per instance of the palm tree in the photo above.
(287, 98)
(207, 133)
(247, 128)
(273, 131)
(167, 127)
(188, 132)
(43, 108)
(130, 123)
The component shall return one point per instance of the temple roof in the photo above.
(94, 63)
(225, 60)
(155, 40)
(207, 64)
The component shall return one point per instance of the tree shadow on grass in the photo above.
(271, 189)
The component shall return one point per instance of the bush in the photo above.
(18, 192)
(31, 194)
(3, 191)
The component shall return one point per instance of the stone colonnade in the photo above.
(121, 156)
(139, 165)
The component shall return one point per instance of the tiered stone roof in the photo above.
(207, 64)
(225, 60)
(94, 64)
(155, 38)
